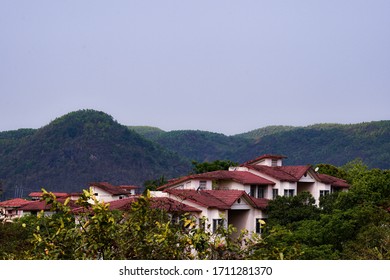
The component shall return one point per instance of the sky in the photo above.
(221, 66)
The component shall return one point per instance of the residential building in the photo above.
(106, 192)
(240, 195)
(10, 209)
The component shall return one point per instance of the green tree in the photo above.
(152, 185)
(203, 167)
(287, 210)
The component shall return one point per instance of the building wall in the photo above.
(101, 195)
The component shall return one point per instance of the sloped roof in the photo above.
(243, 177)
(164, 203)
(42, 205)
(14, 203)
(333, 181)
(111, 189)
(260, 203)
(220, 199)
(57, 194)
(275, 172)
(265, 157)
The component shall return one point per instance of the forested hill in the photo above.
(88, 145)
(321, 143)
(79, 148)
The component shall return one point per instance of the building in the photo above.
(10, 209)
(241, 194)
(104, 191)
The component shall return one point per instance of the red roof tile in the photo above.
(114, 190)
(42, 205)
(242, 177)
(333, 181)
(260, 203)
(164, 203)
(220, 199)
(57, 194)
(14, 203)
(274, 172)
(264, 157)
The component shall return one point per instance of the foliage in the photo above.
(347, 225)
(78, 148)
(143, 232)
(203, 167)
(152, 185)
(331, 170)
(91, 146)
(288, 210)
(13, 240)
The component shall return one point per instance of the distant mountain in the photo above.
(328, 143)
(79, 148)
(149, 132)
(335, 144)
(88, 145)
(257, 134)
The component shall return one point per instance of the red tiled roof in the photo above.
(164, 203)
(333, 181)
(264, 157)
(128, 187)
(260, 203)
(36, 206)
(57, 194)
(242, 177)
(297, 171)
(42, 205)
(114, 190)
(14, 203)
(220, 199)
(274, 172)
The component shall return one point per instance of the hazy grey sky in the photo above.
(222, 66)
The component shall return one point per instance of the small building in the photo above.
(11, 209)
(104, 191)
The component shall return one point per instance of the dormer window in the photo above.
(274, 162)
(202, 185)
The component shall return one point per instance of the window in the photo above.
(275, 193)
(216, 224)
(202, 185)
(260, 223)
(324, 192)
(253, 191)
(260, 192)
(288, 193)
(202, 223)
(274, 162)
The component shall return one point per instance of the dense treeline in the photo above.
(346, 225)
(88, 145)
(79, 148)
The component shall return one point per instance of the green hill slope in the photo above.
(320, 143)
(78, 148)
(328, 143)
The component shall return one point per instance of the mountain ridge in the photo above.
(88, 145)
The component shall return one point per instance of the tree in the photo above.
(287, 210)
(211, 166)
(152, 185)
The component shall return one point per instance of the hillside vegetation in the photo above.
(321, 143)
(88, 145)
(79, 148)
